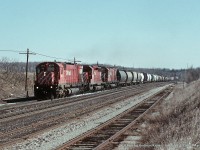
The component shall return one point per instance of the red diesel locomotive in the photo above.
(56, 79)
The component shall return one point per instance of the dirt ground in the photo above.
(13, 85)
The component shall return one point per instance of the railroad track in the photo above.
(105, 135)
(18, 127)
(19, 99)
(11, 111)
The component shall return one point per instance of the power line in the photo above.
(50, 56)
(15, 51)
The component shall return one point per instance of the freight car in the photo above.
(58, 79)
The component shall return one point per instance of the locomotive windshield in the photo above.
(44, 68)
(40, 68)
(50, 68)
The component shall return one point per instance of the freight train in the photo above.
(59, 79)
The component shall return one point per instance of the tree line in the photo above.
(8, 66)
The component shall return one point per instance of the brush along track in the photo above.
(17, 127)
(18, 109)
(103, 136)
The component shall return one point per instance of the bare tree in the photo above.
(192, 75)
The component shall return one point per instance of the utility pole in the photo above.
(26, 85)
(75, 61)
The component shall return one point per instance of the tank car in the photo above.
(129, 77)
(121, 77)
(149, 77)
(135, 77)
(142, 77)
(145, 77)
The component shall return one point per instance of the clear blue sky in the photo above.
(139, 33)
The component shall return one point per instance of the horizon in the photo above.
(112, 65)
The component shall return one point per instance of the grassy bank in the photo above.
(13, 84)
(175, 125)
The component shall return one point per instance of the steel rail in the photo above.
(77, 141)
(60, 106)
(17, 110)
(119, 133)
(52, 119)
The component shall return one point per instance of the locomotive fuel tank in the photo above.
(113, 85)
(98, 88)
(73, 91)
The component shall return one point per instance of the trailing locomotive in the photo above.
(57, 79)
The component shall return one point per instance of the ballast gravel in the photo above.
(57, 136)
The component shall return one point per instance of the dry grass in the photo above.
(177, 123)
(12, 79)
(12, 84)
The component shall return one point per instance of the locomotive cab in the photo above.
(47, 75)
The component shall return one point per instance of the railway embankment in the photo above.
(174, 124)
